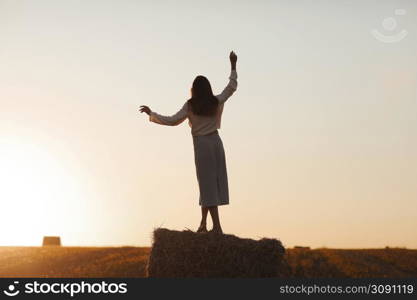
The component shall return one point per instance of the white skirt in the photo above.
(210, 163)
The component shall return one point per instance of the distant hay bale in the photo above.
(51, 241)
(302, 247)
(181, 254)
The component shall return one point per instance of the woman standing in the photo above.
(204, 111)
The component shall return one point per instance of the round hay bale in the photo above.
(182, 254)
(51, 241)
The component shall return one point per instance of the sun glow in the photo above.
(35, 191)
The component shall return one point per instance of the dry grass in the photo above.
(131, 262)
(355, 263)
(73, 261)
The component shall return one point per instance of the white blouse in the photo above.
(200, 125)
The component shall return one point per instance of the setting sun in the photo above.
(37, 192)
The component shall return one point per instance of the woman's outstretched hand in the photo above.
(233, 60)
(145, 109)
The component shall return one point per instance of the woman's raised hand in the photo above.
(145, 109)
(233, 59)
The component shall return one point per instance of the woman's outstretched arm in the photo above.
(173, 120)
(232, 85)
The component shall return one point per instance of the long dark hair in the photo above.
(202, 101)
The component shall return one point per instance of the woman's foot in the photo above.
(217, 230)
(202, 228)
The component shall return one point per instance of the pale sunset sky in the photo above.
(320, 137)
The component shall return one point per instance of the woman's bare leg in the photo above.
(203, 223)
(214, 212)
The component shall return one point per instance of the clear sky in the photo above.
(320, 138)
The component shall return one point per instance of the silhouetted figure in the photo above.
(204, 111)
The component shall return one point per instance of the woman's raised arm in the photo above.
(232, 85)
(173, 120)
